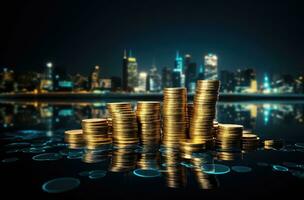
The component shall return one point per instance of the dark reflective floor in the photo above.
(33, 153)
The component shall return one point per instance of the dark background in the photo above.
(76, 35)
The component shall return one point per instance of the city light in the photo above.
(49, 64)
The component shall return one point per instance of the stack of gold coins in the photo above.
(190, 113)
(174, 116)
(214, 128)
(188, 147)
(74, 138)
(273, 144)
(229, 137)
(110, 126)
(124, 125)
(95, 132)
(250, 141)
(205, 99)
(149, 122)
(123, 160)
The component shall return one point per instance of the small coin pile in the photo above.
(174, 116)
(149, 122)
(250, 141)
(124, 124)
(273, 144)
(229, 137)
(95, 132)
(188, 147)
(205, 99)
(74, 138)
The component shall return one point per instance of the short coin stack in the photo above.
(124, 124)
(149, 122)
(95, 132)
(250, 141)
(205, 99)
(74, 138)
(273, 144)
(174, 116)
(229, 137)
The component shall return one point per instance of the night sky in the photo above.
(76, 35)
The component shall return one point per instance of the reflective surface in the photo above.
(33, 153)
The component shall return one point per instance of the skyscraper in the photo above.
(211, 64)
(130, 74)
(154, 80)
(245, 80)
(190, 73)
(142, 82)
(47, 81)
(94, 79)
(166, 77)
(178, 79)
(227, 81)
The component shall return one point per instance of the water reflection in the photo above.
(37, 129)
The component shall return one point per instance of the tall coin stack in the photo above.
(229, 137)
(95, 132)
(205, 99)
(149, 122)
(174, 116)
(124, 124)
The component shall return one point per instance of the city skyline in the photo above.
(266, 37)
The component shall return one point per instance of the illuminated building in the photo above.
(178, 64)
(129, 74)
(211, 64)
(299, 84)
(28, 81)
(94, 78)
(190, 73)
(246, 81)
(142, 82)
(62, 81)
(80, 82)
(178, 79)
(154, 80)
(201, 73)
(266, 85)
(284, 83)
(105, 84)
(227, 81)
(7, 80)
(166, 77)
(47, 81)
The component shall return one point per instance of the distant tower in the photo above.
(130, 74)
(95, 77)
(178, 77)
(166, 77)
(125, 71)
(190, 73)
(266, 84)
(47, 81)
(154, 80)
(211, 64)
